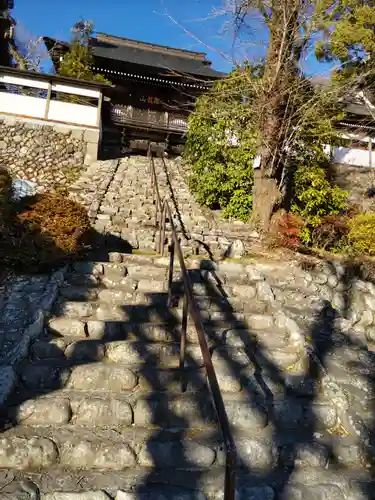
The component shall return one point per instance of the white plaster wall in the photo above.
(35, 107)
(73, 113)
(352, 156)
(22, 105)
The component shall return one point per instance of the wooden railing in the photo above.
(148, 119)
(190, 306)
(50, 97)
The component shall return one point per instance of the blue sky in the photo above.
(146, 20)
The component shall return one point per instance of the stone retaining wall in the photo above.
(46, 154)
(24, 302)
(358, 181)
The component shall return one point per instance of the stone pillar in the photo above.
(91, 138)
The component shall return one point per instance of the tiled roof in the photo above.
(169, 63)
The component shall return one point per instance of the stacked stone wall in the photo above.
(358, 181)
(46, 154)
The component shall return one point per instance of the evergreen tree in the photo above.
(349, 36)
(78, 61)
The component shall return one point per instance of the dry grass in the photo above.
(43, 232)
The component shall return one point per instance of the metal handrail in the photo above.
(190, 305)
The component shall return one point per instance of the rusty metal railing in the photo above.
(190, 306)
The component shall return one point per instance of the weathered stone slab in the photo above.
(44, 349)
(102, 377)
(139, 353)
(87, 495)
(115, 271)
(74, 310)
(78, 292)
(147, 272)
(67, 327)
(256, 455)
(105, 455)
(44, 412)
(22, 453)
(43, 377)
(175, 454)
(102, 412)
(118, 297)
(259, 322)
(85, 350)
(244, 291)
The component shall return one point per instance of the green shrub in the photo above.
(315, 198)
(222, 173)
(239, 206)
(361, 235)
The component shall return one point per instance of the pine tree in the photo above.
(78, 61)
(349, 36)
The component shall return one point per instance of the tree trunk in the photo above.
(278, 86)
(266, 196)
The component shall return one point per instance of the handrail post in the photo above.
(185, 307)
(170, 274)
(163, 216)
(230, 476)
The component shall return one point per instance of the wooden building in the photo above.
(155, 87)
(357, 128)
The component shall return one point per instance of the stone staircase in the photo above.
(127, 210)
(98, 411)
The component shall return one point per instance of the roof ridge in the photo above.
(105, 37)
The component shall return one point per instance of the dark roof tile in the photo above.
(143, 57)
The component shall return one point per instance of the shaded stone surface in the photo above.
(100, 389)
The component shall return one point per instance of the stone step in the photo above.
(233, 368)
(89, 339)
(42, 378)
(130, 292)
(190, 410)
(166, 331)
(120, 270)
(76, 449)
(58, 363)
(157, 398)
(245, 277)
(153, 307)
(140, 351)
(199, 484)
(107, 451)
(157, 278)
(130, 353)
(143, 308)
